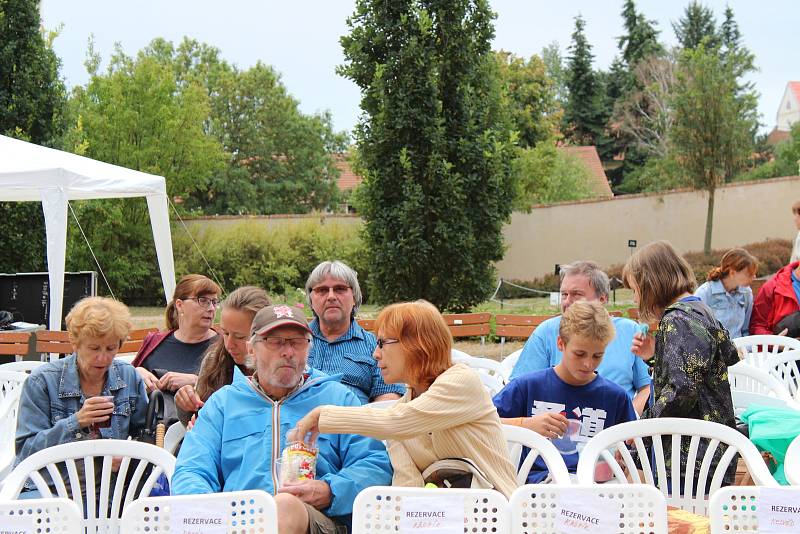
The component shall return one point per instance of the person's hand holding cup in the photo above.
(96, 412)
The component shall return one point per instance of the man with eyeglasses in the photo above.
(241, 431)
(341, 346)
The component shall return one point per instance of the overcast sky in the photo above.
(300, 38)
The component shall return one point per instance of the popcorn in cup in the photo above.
(298, 462)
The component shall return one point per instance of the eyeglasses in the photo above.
(322, 291)
(387, 341)
(204, 302)
(796, 211)
(277, 342)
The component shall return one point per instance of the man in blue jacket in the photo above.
(241, 431)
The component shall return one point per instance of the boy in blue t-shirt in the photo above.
(544, 400)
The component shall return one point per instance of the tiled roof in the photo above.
(777, 136)
(588, 155)
(347, 178)
(795, 87)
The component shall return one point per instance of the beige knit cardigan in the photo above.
(454, 418)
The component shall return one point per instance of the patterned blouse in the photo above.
(690, 372)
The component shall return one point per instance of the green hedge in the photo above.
(279, 258)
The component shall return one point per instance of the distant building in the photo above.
(589, 156)
(788, 114)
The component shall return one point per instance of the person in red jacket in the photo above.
(779, 297)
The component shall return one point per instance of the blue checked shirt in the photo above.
(351, 355)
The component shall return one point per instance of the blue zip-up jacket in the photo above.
(239, 433)
(52, 396)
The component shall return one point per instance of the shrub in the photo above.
(278, 258)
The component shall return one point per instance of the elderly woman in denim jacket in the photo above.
(87, 395)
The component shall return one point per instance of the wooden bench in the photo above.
(14, 344)
(367, 324)
(57, 341)
(468, 324)
(135, 339)
(517, 326)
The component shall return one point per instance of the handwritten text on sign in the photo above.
(17, 525)
(443, 514)
(196, 518)
(778, 510)
(580, 512)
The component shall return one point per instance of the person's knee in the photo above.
(292, 514)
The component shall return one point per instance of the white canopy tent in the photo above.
(31, 172)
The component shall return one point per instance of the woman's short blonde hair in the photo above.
(588, 320)
(661, 276)
(98, 317)
(423, 335)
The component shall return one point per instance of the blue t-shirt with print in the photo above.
(600, 403)
(619, 365)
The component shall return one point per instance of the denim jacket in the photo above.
(51, 396)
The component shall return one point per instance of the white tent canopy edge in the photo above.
(30, 172)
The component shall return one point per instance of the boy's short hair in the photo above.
(589, 320)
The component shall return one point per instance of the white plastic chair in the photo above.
(24, 366)
(517, 438)
(173, 437)
(384, 404)
(791, 463)
(508, 363)
(378, 508)
(60, 516)
(9, 409)
(242, 511)
(691, 497)
(102, 509)
(127, 358)
(783, 366)
(458, 355)
(735, 509)
(535, 507)
(751, 385)
(757, 349)
(10, 380)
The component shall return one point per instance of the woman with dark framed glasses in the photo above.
(171, 359)
(446, 412)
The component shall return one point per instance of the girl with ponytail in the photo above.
(727, 291)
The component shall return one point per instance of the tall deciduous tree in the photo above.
(435, 146)
(555, 70)
(712, 132)
(696, 26)
(584, 119)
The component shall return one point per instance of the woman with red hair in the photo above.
(445, 413)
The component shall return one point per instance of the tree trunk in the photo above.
(709, 221)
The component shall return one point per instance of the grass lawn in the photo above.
(153, 317)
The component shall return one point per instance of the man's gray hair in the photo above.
(597, 278)
(340, 271)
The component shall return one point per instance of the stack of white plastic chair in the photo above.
(232, 512)
(24, 366)
(72, 470)
(783, 366)
(756, 349)
(629, 509)
(751, 385)
(688, 489)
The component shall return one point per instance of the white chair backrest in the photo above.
(791, 464)
(509, 362)
(536, 508)
(751, 385)
(783, 366)
(379, 508)
(688, 490)
(10, 380)
(384, 404)
(492, 383)
(757, 349)
(9, 410)
(517, 438)
(76, 461)
(127, 358)
(239, 511)
(173, 437)
(458, 355)
(57, 516)
(735, 509)
(24, 366)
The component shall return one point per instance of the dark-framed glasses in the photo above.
(387, 341)
(278, 342)
(205, 302)
(322, 291)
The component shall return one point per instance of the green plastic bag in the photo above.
(772, 430)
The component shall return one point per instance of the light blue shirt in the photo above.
(619, 364)
(731, 308)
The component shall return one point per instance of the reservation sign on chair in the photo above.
(213, 513)
(429, 511)
(40, 515)
(753, 509)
